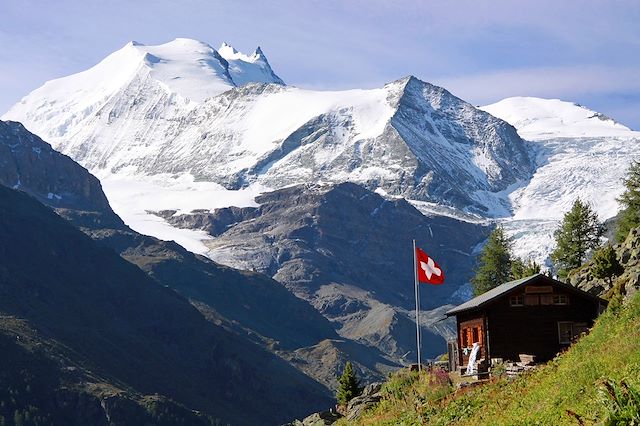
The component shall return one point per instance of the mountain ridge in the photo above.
(246, 303)
(353, 134)
(108, 318)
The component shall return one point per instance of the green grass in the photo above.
(597, 381)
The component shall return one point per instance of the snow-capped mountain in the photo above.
(183, 126)
(159, 80)
(579, 153)
(175, 110)
(542, 119)
(245, 69)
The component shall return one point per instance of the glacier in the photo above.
(579, 153)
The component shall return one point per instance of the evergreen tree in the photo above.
(522, 269)
(349, 385)
(494, 265)
(18, 418)
(630, 199)
(606, 265)
(579, 232)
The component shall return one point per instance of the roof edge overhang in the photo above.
(512, 286)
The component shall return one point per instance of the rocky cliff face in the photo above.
(347, 251)
(627, 284)
(29, 164)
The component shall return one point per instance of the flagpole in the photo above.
(415, 282)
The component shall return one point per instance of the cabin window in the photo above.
(546, 299)
(565, 332)
(470, 335)
(517, 300)
(560, 299)
(531, 300)
(579, 328)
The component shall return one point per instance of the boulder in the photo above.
(320, 419)
(370, 396)
(628, 253)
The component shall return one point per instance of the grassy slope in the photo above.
(572, 382)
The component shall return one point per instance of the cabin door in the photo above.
(471, 332)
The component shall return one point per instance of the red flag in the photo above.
(429, 272)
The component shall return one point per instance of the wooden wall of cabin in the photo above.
(533, 329)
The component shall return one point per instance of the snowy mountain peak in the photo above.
(230, 53)
(245, 69)
(226, 50)
(258, 53)
(539, 119)
(181, 72)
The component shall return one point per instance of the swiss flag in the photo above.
(429, 272)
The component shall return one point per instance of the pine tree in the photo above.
(630, 199)
(494, 265)
(18, 418)
(349, 385)
(522, 269)
(606, 265)
(579, 232)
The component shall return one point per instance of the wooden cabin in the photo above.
(536, 315)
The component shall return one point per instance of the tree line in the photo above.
(577, 239)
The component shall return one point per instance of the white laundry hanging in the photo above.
(471, 366)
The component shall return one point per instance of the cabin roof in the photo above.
(502, 289)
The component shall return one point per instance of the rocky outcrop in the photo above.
(370, 396)
(347, 251)
(321, 418)
(29, 164)
(627, 284)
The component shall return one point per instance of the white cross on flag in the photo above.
(429, 272)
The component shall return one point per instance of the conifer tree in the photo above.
(349, 385)
(606, 265)
(494, 265)
(579, 232)
(630, 200)
(522, 269)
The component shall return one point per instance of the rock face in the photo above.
(29, 164)
(347, 251)
(627, 284)
(321, 418)
(370, 396)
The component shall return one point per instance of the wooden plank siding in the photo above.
(534, 329)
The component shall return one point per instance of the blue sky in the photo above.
(584, 51)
